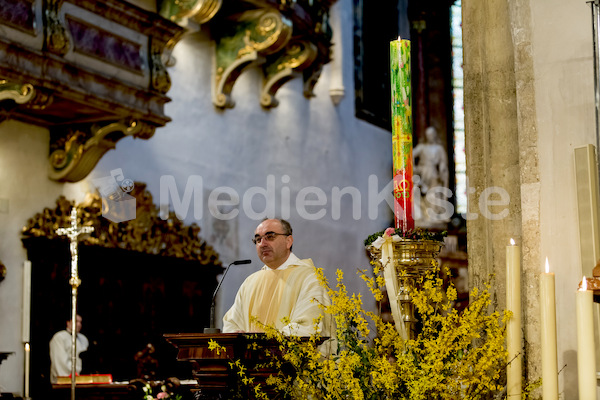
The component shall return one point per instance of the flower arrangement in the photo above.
(455, 355)
(161, 390)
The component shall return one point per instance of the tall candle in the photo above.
(586, 348)
(402, 141)
(513, 328)
(26, 301)
(548, 320)
(27, 368)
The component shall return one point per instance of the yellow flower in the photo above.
(454, 356)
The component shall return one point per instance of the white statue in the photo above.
(431, 166)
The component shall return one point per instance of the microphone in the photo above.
(212, 328)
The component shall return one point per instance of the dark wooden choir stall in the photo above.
(140, 280)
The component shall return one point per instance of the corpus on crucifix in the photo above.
(73, 232)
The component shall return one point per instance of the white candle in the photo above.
(27, 358)
(513, 328)
(26, 301)
(548, 320)
(586, 348)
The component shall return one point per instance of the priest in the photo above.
(61, 348)
(284, 293)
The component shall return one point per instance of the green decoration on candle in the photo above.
(402, 141)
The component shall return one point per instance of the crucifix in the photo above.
(73, 233)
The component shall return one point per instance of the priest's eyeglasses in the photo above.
(269, 236)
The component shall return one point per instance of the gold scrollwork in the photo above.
(43, 98)
(207, 11)
(258, 34)
(270, 34)
(297, 56)
(20, 93)
(200, 11)
(74, 153)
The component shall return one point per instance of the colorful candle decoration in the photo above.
(548, 320)
(586, 348)
(513, 329)
(402, 140)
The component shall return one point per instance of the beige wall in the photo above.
(26, 190)
(529, 101)
(564, 87)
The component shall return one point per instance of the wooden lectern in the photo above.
(216, 378)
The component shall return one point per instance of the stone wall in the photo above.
(529, 102)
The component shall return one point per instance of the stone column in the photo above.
(501, 150)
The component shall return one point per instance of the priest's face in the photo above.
(272, 252)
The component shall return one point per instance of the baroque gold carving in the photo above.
(73, 154)
(200, 11)
(297, 55)
(42, 99)
(20, 93)
(91, 71)
(268, 34)
(258, 34)
(207, 11)
(161, 81)
(57, 38)
(252, 33)
(147, 233)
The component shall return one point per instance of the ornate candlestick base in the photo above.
(410, 259)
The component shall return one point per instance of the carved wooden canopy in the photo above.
(89, 70)
(93, 71)
(147, 233)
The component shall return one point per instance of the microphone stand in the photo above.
(212, 328)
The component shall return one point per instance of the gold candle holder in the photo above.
(412, 259)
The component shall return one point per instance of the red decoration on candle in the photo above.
(402, 133)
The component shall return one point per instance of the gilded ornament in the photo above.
(258, 34)
(200, 11)
(285, 65)
(207, 11)
(57, 39)
(160, 77)
(70, 152)
(43, 98)
(405, 261)
(271, 33)
(18, 92)
(73, 154)
(147, 233)
(267, 24)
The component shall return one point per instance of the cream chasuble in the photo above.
(291, 291)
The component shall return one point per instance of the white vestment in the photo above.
(60, 354)
(291, 291)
